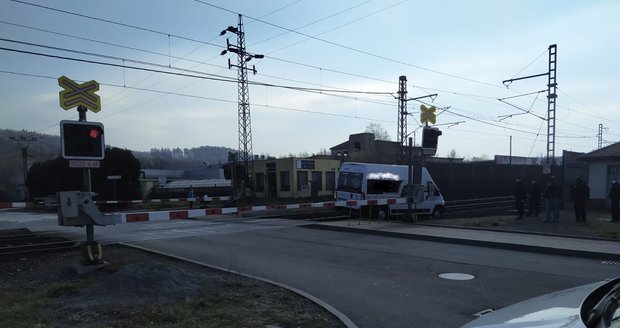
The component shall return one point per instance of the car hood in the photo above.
(558, 309)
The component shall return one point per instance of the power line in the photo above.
(312, 23)
(184, 59)
(208, 76)
(352, 49)
(205, 98)
(283, 60)
(270, 57)
(338, 27)
(115, 23)
(259, 20)
(109, 44)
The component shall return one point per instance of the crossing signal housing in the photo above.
(430, 137)
(82, 140)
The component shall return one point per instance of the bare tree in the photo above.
(379, 132)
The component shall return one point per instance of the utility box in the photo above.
(68, 206)
(77, 208)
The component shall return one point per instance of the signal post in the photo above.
(430, 139)
(83, 145)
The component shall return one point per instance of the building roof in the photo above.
(184, 184)
(344, 145)
(610, 152)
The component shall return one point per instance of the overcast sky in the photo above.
(462, 50)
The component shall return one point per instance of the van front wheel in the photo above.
(438, 212)
(379, 212)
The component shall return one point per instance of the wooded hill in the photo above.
(47, 147)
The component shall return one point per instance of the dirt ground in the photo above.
(140, 289)
(598, 224)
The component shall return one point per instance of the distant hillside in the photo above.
(177, 158)
(47, 147)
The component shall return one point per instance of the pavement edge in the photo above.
(469, 242)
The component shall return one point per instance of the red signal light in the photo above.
(82, 140)
(94, 133)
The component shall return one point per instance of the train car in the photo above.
(364, 181)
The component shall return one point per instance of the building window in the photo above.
(317, 180)
(302, 180)
(613, 171)
(330, 180)
(260, 182)
(357, 146)
(285, 181)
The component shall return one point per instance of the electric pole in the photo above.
(551, 99)
(244, 124)
(24, 143)
(402, 134)
(600, 136)
(402, 110)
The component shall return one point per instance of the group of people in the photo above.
(552, 196)
(579, 194)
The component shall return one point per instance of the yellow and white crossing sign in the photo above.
(76, 94)
(427, 114)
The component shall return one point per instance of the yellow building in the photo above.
(295, 177)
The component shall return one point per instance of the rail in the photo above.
(479, 205)
(15, 243)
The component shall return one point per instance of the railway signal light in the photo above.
(82, 140)
(430, 137)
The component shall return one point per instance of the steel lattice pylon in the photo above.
(245, 155)
(551, 102)
(245, 123)
(402, 111)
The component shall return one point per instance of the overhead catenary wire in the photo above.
(163, 92)
(191, 39)
(298, 63)
(258, 20)
(183, 73)
(262, 21)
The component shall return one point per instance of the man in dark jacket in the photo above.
(534, 199)
(519, 198)
(553, 196)
(580, 193)
(614, 195)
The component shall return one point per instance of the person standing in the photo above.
(580, 193)
(519, 198)
(614, 195)
(552, 201)
(190, 197)
(534, 199)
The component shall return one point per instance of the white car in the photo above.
(594, 305)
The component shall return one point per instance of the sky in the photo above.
(330, 69)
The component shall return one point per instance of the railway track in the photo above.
(457, 208)
(316, 215)
(15, 243)
(481, 206)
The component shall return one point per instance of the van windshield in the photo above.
(350, 181)
(383, 186)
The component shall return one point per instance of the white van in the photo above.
(364, 181)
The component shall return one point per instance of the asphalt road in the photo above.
(388, 282)
(376, 281)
